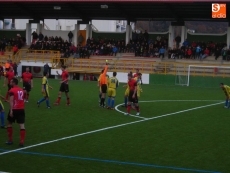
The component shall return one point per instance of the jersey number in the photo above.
(113, 81)
(20, 95)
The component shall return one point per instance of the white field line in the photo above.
(106, 128)
(116, 107)
(181, 101)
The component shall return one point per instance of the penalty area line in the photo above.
(106, 128)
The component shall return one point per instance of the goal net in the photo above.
(181, 76)
(207, 76)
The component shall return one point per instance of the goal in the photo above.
(208, 75)
(203, 76)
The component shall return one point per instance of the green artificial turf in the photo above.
(188, 134)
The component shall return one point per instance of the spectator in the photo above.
(114, 51)
(224, 53)
(15, 49)
(40, 37)
(198, 51)
(35, 37)
(70, 35)
(188, 53)
(46, 68)
(206, 53)
(177, 40)
(15, 67)
(146, 36)
(186, 43)
(162, 52)
(217, 53)
(74, 76)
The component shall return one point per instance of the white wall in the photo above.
(53, 24)
(122, 77)
(8, 26)
(21, 23)
(105, 25)
(33, 64)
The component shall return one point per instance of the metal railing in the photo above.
(150, 67)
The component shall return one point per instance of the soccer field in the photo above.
(180, 129)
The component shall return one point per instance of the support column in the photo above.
(39, 28)
(90, 31)
(130, 32)
(28, 33)
(13, 24)
(183, 33)
(228, 36)
(171, 36)
(1, 24)
(87, 31)
(127, 38)
(75, 34)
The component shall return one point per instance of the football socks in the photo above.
(22, 135)
(125, 101)
(112, 103)
(2, 119)
(47, 103)
(128, 109)
(108, 102)
(10, 133)
(226, 102)
(68, 101)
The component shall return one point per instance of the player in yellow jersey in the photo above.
(113, 83)
(45, 90)
(139, 83)
(226, 90)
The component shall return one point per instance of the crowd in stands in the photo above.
(140, 44)
(9, 44)
(199, 50)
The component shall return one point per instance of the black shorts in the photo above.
(64, 88)
(9, 87)
(131, 99)
(18, 116)
(104, 88)
(26, 86)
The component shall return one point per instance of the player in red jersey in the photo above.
(136, 75)
(27, 79)
(132, 98)
(8, 76)
(64, 86)
(17, 112)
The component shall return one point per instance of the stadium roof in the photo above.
(132, 10)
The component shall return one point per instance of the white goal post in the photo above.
(199, 70)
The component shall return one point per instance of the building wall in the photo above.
(105, 25)
(67, 25)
